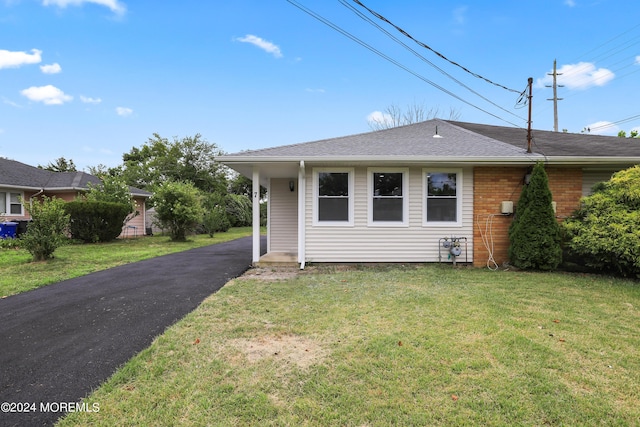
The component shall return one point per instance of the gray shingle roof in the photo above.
(16, 174)
(559, 143)
(459, 141)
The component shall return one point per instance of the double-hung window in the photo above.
(10, 203)
(334, 200)
(443, 197)
(388, 196)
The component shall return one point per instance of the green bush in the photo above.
(239, 210)
(215, 220)
(93, 221)
(46, 231)
(178, 208)
(605, 231)
(534, 235)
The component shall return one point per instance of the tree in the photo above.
(394, 116)
(190, 159)
(46, 232)
(239, 210)
(534, 235)
(111, 189)
(633, 134)
(240, 184)
(215, 214)
(605, 231)
(178, 208)
(60, 165)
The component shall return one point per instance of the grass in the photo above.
(20, 274)
(428, 345)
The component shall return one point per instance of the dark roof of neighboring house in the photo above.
(456, 140)
(19, 175)
(554, 144)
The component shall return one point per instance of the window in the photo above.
(15, 207)
(334, 197)
(388, 198)
(10, 203)
(443, 197)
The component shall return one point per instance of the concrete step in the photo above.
(280, 259)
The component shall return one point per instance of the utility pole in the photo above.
(555, 98)
(529, 97)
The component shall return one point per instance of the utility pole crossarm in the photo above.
(555, 98)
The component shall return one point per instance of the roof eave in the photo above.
(524, 159)
(233, 160)
(20, 187)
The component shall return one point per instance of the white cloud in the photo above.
(10, 59)
(115, 5)
(48, 95)
(54, 68)
(570, 3)
(638, 60)
(10, 102)
(88, 100)
(315, 90)
(124, 111)
(265, 45)
(380, 118)
(459, 15)
(580, 76)
(602, 128)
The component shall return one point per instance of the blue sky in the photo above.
(90, 79)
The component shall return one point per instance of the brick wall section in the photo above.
(492, 185)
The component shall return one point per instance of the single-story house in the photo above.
(21, 181)
(403, 194)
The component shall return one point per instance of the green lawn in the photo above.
(20, 274)
(428, 345)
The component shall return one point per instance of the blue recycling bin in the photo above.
(8, 230)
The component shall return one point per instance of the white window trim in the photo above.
(7, 207)
(350, 222)
(459, 197)
(405, 197)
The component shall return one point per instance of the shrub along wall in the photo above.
(493, 184)
(96, 221)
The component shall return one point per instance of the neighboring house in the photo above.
(395, 195)
(20, 181)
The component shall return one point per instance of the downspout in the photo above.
(301, 215)
(31, 197)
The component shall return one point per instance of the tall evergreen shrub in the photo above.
(534, 235)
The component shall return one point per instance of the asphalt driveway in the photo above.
(60, 342)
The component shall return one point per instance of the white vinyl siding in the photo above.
(363, 243)
(591, 178)
(283, 216)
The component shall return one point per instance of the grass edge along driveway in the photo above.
(427, 345)
(20, 273)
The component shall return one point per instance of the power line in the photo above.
(607, 42)
(406, 34)
(607, 125)
(391, 60)
(394, 38)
